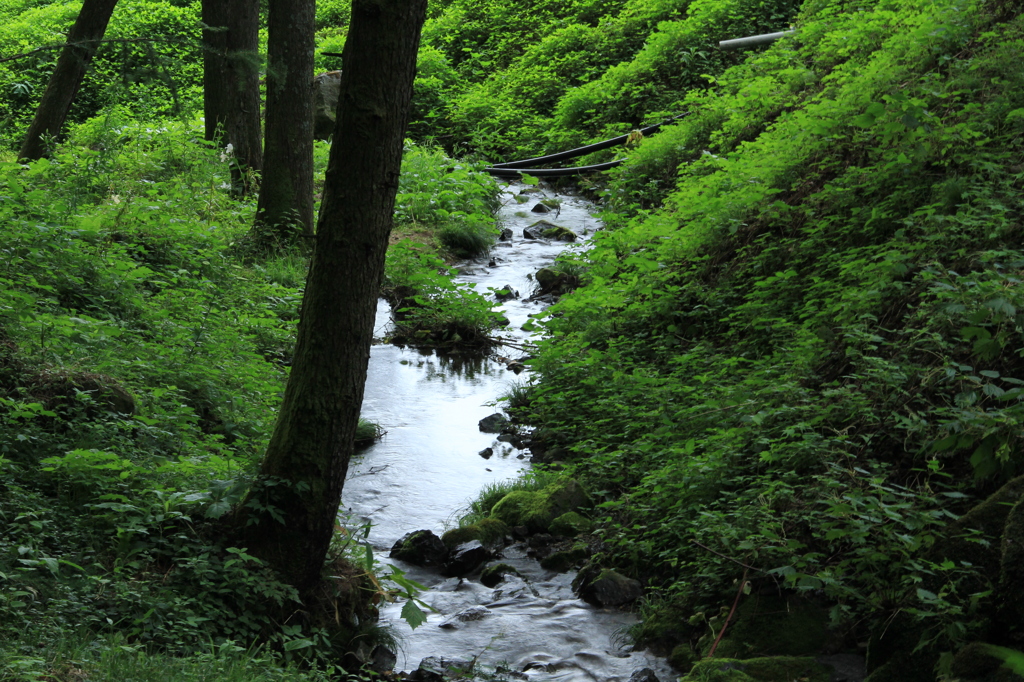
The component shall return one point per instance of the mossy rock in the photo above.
(492, 575)
(537, 509)
(909, 667)
(772, 626)
(975, 662)
(560, 562)
(682, 658)
(488, 531)
(559, 233)
(767, 669)
(571, 524)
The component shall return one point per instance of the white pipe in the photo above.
(750, 41)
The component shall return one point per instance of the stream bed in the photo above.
(427, 468)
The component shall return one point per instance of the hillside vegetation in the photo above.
(797, 358)
(790, 380)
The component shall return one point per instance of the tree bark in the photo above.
(289, 516)
(231, 84)
(83, 39)
(286, 190)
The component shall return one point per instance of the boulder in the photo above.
(537, 509)
(494, 574)
(494, 423)
(571, 524)
(505, 236)
(471, 614)
(644, 675)
(491, 532)
(769, 669)
(540, 208)
(465, 558)
(486, 453)
(506, 293)
(608, 588)
(438, 668)
(326, 89)
(421, 548)
(560, 562)
(561, 234)
(537, 230)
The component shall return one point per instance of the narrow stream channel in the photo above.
(427, 468)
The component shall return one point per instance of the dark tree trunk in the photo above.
(231, 83)
(286, 190)
(83, 39)
(290, 515)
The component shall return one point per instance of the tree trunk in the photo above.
(83, 39)
(286, 190)
(290, 514)
(231, 84)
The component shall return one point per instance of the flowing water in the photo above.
(427, 468)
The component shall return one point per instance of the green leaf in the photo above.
(293, 644)
(413, 615)
(529, 180)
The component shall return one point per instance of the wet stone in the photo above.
(470, 615)
(486, 453)
(540, 208)
(466, 557)
(421, 548)
(644, 675)
(494, 423)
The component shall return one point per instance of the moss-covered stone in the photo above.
(767, 669)
(682, 658)
(488, 531)
(974, 662)
(537, 509)
(565, 560)
(492, 575)
(571, 524)
(772, 626)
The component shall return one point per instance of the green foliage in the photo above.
(151, 60)
(798, 345)
(430, 307)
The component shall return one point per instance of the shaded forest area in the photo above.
(789, 378)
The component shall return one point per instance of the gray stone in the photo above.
(610, 589)
(421, 548)
(326, 89)
(540, 208)
(643, 675)
(466, 557)
(494, 423)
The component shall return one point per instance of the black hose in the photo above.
(551, 172)
(579, 151)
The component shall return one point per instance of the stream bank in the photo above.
(428, 467)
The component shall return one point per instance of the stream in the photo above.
(427, 468)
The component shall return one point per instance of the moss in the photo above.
(682, 658)
(536, 510)
(571, 524)
(492, 575)
(769, 669)
(772, 626)
(563, 561)
(487, 531)
(974, 662)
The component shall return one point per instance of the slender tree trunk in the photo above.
(290, 515)
(231, 83)
(83, 39)
(286, 190)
